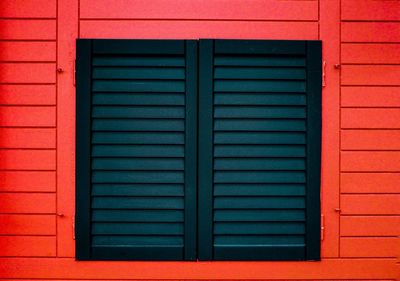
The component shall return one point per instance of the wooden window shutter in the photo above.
(136, 149)
(259, 151)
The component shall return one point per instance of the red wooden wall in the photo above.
(361, 129)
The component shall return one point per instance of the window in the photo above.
(205, 149)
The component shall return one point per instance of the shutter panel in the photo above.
(136, 148)
(259, 158)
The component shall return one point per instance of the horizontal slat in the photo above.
(237, 240)
(259, 151)
(28, 203)
(369, 182)
(260, 252)
(138, 86)
(370, 53)
(137, 228)
(259, 138)
(136, 240)
(258, 228)
(259, 112)
(260, 73)
(370, 96)
(370, 74)
(27, 225)
(259, 215)
(259, 202)
(258, 164)
(370, 10)
(259, 99)
(137, 125)
(142, 47)
(370, 161)
(137, 177)
(140, 253)
(259, 125)
(137, 215)
(137, 190)
(29, 9)
(259, 86)
(18, 138)
(26, 159)
(239, 10)
(370, 118)
(258, 177)
(370, 139)
(137, 203)
(259, 61)
(28, 29)
(137, 138)
(258, 189)
(370, 225)
(137, 151)
(259, 47)
(375, 204)
(138, 99)
(28, 94)
(369, 247)
(143, 73)
(27, 72)
(138, 112)
(29, 181)
(28, 246)
(28, 116)
(137, 164)
(27, 51)
(159, 61)
(370, 32)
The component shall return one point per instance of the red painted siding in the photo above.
(361, 130)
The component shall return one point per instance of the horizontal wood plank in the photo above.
(26, 116)
(197, 9)
(370, 10)
(370, 140)
(28, 246)
(28, 73)
(28, 203)
(371, 75)
(371, 118)
(27, 138)
(387, 32)
(370, 96)
(370, 225)
(369, 182)
(370, 161)
(28, 9)
(28, 94)
(27, 51)
(370, 204)
(28, 225)
(27, 29)
(369, 247)
(26, 159)
(370, 53)
(174, 29)
(29, 181)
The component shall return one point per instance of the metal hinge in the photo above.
(323, 73)
(322, 227)
(73, 227)
(75, 73)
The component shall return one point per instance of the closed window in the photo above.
(198, 150)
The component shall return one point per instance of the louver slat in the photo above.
(136, 152)
(260, 202)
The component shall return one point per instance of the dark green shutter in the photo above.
(136, 149)
(259, 157)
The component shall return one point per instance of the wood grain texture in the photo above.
(197, 9)
(28, 225)
(370, 182)
(370, 225)
(360, 96)
(375, 204)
